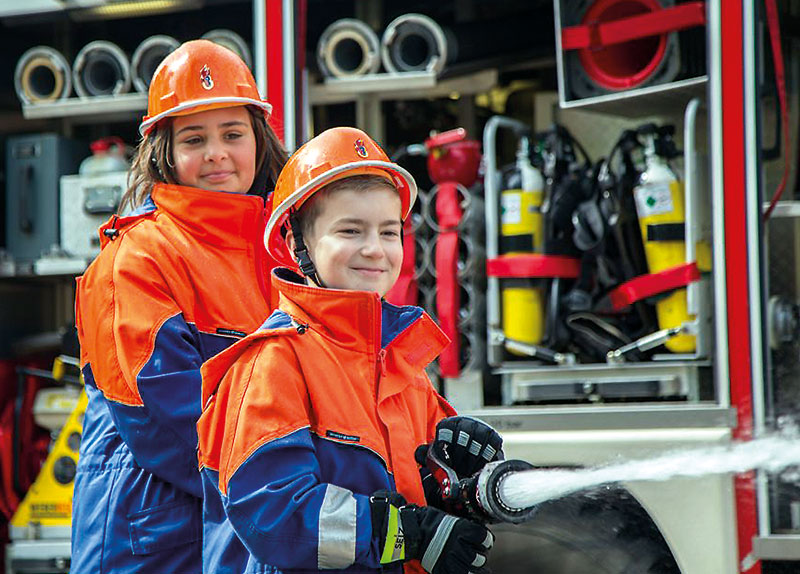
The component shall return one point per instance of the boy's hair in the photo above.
(153, 162)
(311, 210)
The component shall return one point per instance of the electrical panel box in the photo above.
(34, 164)
(86, 203)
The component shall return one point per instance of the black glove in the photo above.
(442, 543)
(464, 444)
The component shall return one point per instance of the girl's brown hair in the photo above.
(153, 162)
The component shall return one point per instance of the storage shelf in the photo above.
(400, 86)
(98, 107)
(649, 101)
(632, 416)
(526, 381)
(785, 208)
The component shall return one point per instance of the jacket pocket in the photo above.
(166, 526)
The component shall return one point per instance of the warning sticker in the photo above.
(511, 208)
(653, 199)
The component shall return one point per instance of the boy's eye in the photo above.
(391, 233)
(349, 231)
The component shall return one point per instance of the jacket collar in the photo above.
(360, 320)
(217, 217)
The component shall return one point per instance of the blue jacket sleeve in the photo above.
(162, 432)
(288, 518)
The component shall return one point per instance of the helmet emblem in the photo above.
(205, 78)
(361, 150)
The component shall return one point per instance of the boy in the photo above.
(308, 436)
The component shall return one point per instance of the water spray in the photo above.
(534, 486)
(511, 490)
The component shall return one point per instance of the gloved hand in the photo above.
(464, 444)
(441, 542)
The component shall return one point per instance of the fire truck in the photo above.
(700, 95)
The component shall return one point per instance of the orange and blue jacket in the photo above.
(174, 284)
(309, 416)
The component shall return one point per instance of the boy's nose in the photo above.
(372, 246)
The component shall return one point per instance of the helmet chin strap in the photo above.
(307, 267)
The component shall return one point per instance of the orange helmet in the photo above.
(199, 76)
(332, 155)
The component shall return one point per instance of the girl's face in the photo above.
(215, 150)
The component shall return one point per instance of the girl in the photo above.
(179, 278)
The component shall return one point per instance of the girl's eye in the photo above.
(233, 135)
(193, 140)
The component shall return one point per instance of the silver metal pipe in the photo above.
(146, 58)
(491, 182)
(414, 43)
(42, 74)
(231, 40)
(348, 48)
(101, 68)
(690, 196)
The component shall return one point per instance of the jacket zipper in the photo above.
(380, 359)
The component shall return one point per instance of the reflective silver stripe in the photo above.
(489, 453)
(475, 448)
(488, 542)
(463, 438)
(436, 546)
(337, 529)
(446, 435)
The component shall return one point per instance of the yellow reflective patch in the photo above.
(395, 547)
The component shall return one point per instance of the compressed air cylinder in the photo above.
(42, 75)
(414, 43)
(660, 205)
(147, 57)
(348, 48)
(232, 41)
(101, 69)
(521, 231)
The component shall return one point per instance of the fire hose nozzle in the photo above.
(487, 491)
(478, 496)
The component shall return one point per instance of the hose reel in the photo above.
(101, 68)
(348, 48)
(147, 57)
(42, 75)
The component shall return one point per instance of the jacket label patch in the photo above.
(342, 436)
(231, 332)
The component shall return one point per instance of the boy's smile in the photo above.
(355, 243)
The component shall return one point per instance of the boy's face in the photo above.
(215, 150)
(355, 243)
